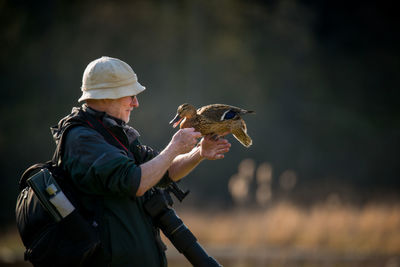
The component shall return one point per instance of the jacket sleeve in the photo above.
(96, 167)
(142, 154)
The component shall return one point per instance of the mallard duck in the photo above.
(214, 120)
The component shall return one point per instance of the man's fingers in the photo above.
(224, 144)
(197, 134)
(223, 150)
(192, 132)
(187, 129)
(219, 156)
(223, 141)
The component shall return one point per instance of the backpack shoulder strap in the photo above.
(59, 151)
(55, 162)
(51, 164)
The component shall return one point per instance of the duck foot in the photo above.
(215, 137)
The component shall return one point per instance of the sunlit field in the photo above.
(281, 235)
(372, 229)
(284, 235)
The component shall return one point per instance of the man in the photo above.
(120, 174)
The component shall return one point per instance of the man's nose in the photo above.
(135, 102)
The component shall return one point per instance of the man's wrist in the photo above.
(169, 153)
(197, 153)
(201, 156)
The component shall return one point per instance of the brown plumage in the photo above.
(215, 120)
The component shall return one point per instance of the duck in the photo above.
(215, 120)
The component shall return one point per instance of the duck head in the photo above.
(184, 111)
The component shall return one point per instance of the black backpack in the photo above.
(73, 241)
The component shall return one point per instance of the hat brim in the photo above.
(112, 93)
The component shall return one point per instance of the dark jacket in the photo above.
(111, 174)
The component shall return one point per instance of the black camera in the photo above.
(159, 207)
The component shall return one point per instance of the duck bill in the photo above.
(175, 121)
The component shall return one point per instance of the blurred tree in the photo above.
(323, 78)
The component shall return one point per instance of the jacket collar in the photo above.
(103, 116)
(112, 122)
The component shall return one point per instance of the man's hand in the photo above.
(214, 149)
(184, 140)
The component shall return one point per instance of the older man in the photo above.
(121, 173)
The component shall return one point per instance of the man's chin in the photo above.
(127, 118)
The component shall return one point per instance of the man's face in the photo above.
(121, 108)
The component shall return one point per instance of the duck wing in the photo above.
(220, 112)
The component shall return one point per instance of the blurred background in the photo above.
(319, 186)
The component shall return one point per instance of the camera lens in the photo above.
(180, 236)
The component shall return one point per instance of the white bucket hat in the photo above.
(109, 78)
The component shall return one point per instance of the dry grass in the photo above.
(374, 229)
(282, 235)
